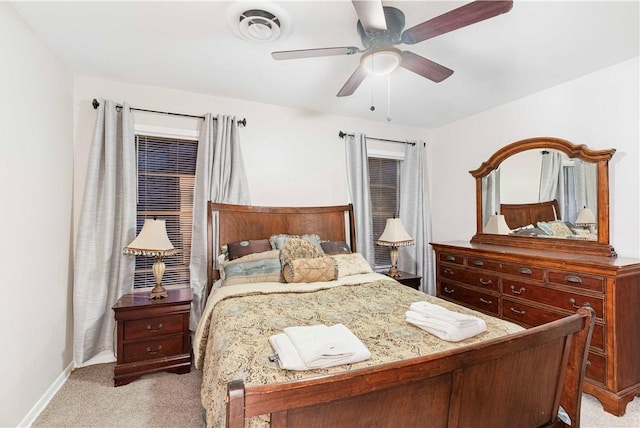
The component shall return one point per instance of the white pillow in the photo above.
(351, 264)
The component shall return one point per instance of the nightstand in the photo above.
(408, 279)
(153, 335)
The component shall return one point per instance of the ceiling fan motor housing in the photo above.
(393, 34)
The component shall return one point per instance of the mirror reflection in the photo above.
(560, 194)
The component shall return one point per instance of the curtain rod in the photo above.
(95, 103)
(342, 134)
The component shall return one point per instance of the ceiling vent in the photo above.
(258, 21)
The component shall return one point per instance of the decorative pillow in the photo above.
(351, 264)
(243, 248)
(252, 268)
(310, 270)
(278, 241)
(545, 227)
(335, 247)
(299, 248)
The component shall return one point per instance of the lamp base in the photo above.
(158, 292)
(393, 272)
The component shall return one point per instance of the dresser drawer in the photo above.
(528, 315)
(148, 328)
(483, 301)
(565, 300)
(451, 258)
(152, 349)
(596, 367)
(595, 283)
(479, 279)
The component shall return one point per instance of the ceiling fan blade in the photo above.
(424, 67)
(461, 17)
(371, 15)
(311, 53)
(353, 82)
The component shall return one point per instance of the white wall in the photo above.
(292, 157)
(36, 173)
(600, 110)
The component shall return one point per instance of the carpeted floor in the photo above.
(89, 399)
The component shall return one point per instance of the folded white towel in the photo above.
(430, 310)
(318, 346)
(445, 330)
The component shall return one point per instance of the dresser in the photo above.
(532, 287)
(153, 334)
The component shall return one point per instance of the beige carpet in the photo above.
(89, 399)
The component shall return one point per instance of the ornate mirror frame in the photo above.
(600, 247)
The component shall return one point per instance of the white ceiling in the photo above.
(190, 46)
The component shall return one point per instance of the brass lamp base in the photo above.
(158, 292)
(393, 272)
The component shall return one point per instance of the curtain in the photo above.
(490, 195)
(586, 185)
(358, 177)
(416, 216)
(220, 177)
(552, 179)
(102, 274)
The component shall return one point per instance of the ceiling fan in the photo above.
(381, 29)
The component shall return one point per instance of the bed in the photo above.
(243, 385)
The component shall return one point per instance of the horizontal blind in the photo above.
(384, 182)
(166, 176)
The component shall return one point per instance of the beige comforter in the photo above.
(232, 339)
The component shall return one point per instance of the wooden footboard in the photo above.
(516, 380)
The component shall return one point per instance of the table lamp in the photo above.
(153, 241)
(394, 236)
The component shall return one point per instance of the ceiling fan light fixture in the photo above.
(381, 62)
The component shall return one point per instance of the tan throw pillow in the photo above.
(298, 248)
(310, 270)
(351, 264)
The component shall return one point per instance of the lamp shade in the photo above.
(394, 234)
(586, 217)
(497, 225)
(152, 240)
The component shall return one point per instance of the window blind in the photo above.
(166, 176)
(384, 182)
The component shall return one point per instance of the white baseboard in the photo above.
(44, 400)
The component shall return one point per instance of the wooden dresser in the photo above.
(153, 335)
(532, 287)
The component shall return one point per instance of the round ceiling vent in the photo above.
(258, 21)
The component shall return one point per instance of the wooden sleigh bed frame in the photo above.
(521, 379)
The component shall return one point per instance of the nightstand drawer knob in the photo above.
(154, 352)
(154, 329)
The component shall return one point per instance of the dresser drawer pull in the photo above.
(574, 278)
(154, 329)
(515, 311)
(573, 303)
(526, 271)
(485, 281)
(483, 300)
(520, 291)
(154, 352)
(451, 259)
(448, 290)
(449, 271)
(478, 262)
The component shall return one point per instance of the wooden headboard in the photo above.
(518, 215)
(243, 222)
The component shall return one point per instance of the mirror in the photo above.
(545, 192)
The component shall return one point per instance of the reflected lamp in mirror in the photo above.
(394, 236)
(497, 225)
(586, 219)
(154, 242)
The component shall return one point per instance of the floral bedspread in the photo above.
(232, 340)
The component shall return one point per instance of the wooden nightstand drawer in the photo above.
(152, 327)
(152, 349)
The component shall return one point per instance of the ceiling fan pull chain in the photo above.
(373, 107)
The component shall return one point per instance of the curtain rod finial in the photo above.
(95, 104)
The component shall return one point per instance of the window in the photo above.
(166, 176)
(384, 181)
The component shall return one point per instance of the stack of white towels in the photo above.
(443, 323)
(317, 346)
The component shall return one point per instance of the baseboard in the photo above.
(46, 398)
